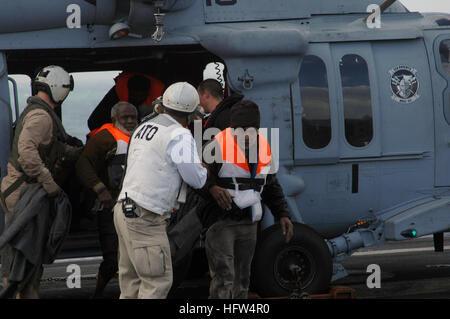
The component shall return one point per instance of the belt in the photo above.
(14, 186)
(256, 184)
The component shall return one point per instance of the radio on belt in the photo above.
(128, 207)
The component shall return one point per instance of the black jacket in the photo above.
(33, 236)
(220, 117)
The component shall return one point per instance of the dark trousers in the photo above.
(230, 246)
(108, 244)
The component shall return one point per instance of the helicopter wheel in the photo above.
(279, 269)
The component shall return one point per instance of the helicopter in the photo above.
(358, 89)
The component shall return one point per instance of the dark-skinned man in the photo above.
(162, 157)
(100, 169)
(242, 175)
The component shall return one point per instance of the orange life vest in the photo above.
(115, 132)
(235, 171)
(117, 163)
(233, 155)
(156, 88)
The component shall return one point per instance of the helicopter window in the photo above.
(90, 88)
(444, 50)
(357, 100)
(23, 86)
(316, 122)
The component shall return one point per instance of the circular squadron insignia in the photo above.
(404, 84)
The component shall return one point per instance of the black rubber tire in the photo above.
(271, 276)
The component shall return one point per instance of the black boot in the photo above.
(100, 287)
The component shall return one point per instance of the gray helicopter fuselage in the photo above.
(362, 112)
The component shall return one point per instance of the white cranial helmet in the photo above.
(54, 81)
(182, 97)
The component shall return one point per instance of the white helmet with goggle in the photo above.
(54, 81)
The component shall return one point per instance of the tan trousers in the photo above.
(145, 265)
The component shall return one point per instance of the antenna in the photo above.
(383, 8)
(386, 5)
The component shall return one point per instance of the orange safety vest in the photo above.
(248, 185)
(156, 88)
(115, 132)
(117, 164)
(234, 156)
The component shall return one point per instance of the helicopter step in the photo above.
(335, 292)
(425, 216)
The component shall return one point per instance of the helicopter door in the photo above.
(5, 121)
(5, 115)
(442, 112)
(314, 109)
(358, 102)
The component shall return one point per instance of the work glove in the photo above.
(73, 141)
(47, 182)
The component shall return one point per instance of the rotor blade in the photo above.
(386, 5)
(383, 8)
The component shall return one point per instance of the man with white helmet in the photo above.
(162, 156)
(40, 150)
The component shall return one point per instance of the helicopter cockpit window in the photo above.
(357, 100)
(316, 122)
(444, 50)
